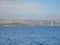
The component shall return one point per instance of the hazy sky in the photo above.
(30, 9)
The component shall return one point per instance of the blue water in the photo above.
(30, 35)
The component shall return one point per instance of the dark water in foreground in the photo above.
(27, 35)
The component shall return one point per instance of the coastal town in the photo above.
(30, 22)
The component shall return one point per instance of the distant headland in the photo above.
(30, 22)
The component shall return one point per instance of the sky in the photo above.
(30, 9)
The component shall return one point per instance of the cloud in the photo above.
(21, 8)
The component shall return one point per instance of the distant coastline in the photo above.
(30, 22)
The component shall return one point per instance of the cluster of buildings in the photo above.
(31, 22)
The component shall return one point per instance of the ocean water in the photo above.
(29, 35)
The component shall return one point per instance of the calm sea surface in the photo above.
(29, 35)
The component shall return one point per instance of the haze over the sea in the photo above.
(30, 9)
